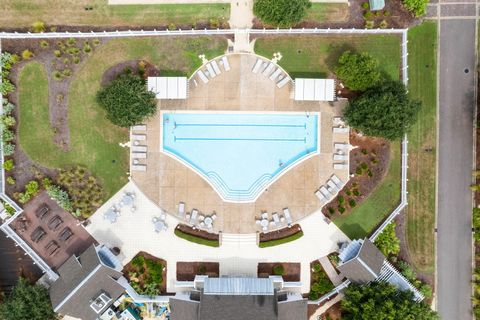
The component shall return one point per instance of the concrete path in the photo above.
(330, 271)
(457, 69)
(238, 255)
(241, 14)
(318, 313)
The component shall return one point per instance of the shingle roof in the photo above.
(221, 307)
(183, 309)
(290, 310)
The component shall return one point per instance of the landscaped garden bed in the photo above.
(147, 274)
(197, 236)
(320, 284)
(186, 271)
(278, 237)
(288, 270)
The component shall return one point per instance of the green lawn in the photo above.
(315, 56)
(327, 12)
(422, 46)
(94, 141)
(22, 13)
(361, 221)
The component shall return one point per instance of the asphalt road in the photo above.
(456, 109)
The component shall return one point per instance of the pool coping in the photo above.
(206, 179)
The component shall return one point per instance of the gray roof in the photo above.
(365, 266)
(221, 307)
(183, 309)
(238, 286)
(81, 280)
(289, 310)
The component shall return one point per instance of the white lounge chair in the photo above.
(337, 181)
(276, 219)
(337, 121)
(340, 157)
(139, 167)
(283, 82)
(320, 196)
(340, 166)
(193, 217)
(140, 127)
(288, 217)
(264, 215)
(257, 65)
(275, 74)
(139, 148)
(181, 209)
(215, 67)
(139, 137)
(341, 129)
(202, 76)
(325, 192)
(210, 70)
(139, 155)
(332, 185)
(226, 65)
(341, 146)
(268, 69)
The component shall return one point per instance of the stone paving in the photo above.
(168, 182)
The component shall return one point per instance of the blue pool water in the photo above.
(239, 154)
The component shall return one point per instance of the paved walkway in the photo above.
(330, 271)
(134, 232)
(457, 71)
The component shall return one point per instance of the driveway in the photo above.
(456, 108)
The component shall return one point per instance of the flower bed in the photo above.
(289, 271)
(146, 274)
(320, 284)
(186, 271)
(279, 237)
(197, 236)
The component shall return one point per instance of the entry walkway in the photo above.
(134, 232)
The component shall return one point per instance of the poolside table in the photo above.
(264, 223)
(110, 215)
(208, 221)
(160, 226)
(127, 200)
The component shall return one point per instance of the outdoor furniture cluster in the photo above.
(212, 70)
(159, 223)
(340, 157)
(277, 220)
(330, 190)
(138, 148)
(269, 69)
(195, 218)
(128, 200)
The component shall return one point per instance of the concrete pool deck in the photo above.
(168, 182)
(238, 255)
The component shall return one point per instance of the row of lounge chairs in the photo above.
(195, 218)
(213, 69)
(277, 220)
(341, 154)
(138, 148)
(270, 70)
(327, 192)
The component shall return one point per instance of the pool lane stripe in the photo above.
(240, 139)
(239, 125)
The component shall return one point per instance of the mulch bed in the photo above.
(280, 234)
(399, 18)
(291, 270)
(129, 268)
(186, 271)
(197, 233)
(332, 313)
(375, 154)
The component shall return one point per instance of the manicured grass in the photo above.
(197, 240)
(94, 141)
(422, 49)
(316, 56)
(277, 242)
(382, 201)
(22, 13)
(327, 12)
(34, 130)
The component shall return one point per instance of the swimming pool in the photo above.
(239, 154)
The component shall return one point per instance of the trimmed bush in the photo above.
(417, 7)
(38, 27)
(8, 149)
(366, 5)
(27, 54)
(11, 180)
(358, 71)
(206, 242)
(277, 242)
(44, 44)
(8, 165)
(278, 270)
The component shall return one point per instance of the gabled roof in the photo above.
(366, 264)
(221, 307)
(292, 310)
(81, 280)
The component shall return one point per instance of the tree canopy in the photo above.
(383, 111)
(358, 71)
(417, 7)
(27, 302)
(387, 241)
(281, 13)
(382, 301)
(127, 100)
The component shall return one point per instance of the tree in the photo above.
(127, 100)
(281, 13)
(417, 7)
(383, 111)
(382, 301)
(387, 241)
(27, 302)
(358, 71)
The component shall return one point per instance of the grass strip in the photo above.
(197, 240)
(277, 242)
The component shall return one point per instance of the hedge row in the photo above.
(276, 242)
(195, 239)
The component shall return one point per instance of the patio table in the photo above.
(111, 215)
(127, 200)
(264, 223)
(208, 221)
(159, 226)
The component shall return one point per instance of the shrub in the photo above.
(172, 27)
(44, 44)
(10, 180)
(281, 13)
(8, 121)
(46, 183)
(364, 166)
(8, 165)
(202, 269)
(96, 42)
(369, 173)
(359, 171)
(356, 192)
(27, 54)
(214, 23)
(71, 42)
(368, 15)
(24, 198)
(341, 200)
(352, 203)
(7, 135)
(127, 100)
(331, 210)
(386, 13)
(341, 209)
(317, 267)
(38, 27)
(138, 261)
(60, 196)
(369, 24)
(8, 149)
(278, 270)
(57, 75)
(32, 188)
(358, 71)
(73, 51)
(417, 7)
(313, 295)
(383, 111)
(87, 48)
(10, 210)
(366, 5)
(364, 151)
(67, 72)
(383, 24)
(66, 61)
(57, 53)
(387, 241)
(6, 87)
(7, 107)
(76, 59)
